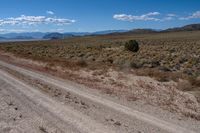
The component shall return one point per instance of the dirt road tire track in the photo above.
(115, 106)
(35, 114)
(63, 114)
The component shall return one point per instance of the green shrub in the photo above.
(132, 45)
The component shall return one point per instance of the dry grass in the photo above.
(163, 56)
(126, 85)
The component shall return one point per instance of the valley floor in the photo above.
(34, 101)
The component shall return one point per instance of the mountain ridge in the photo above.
(190, 27)
(57, 35)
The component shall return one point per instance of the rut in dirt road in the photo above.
(134, 114)
(63, 113)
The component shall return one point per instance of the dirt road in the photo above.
(80, 111)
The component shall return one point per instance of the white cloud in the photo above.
(50, 12)
(35, 20)
(59, 21)
(171, 15)
(152, 14)
(123, 17)
(17, 30)
(195, 15)
(27, 20)
(4, 22)
(131, 18)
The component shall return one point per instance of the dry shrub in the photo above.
(66, 64)
(192, 115)
(73, 65)
(195, 81)
(159, 75)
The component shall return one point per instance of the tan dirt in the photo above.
(79, 121)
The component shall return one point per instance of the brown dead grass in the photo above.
(164, 95)
(164, 57)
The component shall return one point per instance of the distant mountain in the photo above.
(66, 35)
(191, 27)
(72, 34)
(22, 37)
(56, 35)
(53, 36)
(78, 33)
(95, 33)
(37, 35)
(136, 31)
(108, 32)
(2, 38)
(142, 31)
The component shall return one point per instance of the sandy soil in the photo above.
(124, 85)
(67, 107)
(61, 117)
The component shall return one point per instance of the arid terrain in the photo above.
(93, 84)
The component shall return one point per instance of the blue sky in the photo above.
(95, 15)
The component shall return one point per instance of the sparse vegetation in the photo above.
(98, 61)
(170, 54)
(164, 56)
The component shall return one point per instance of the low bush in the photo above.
(132, 45)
